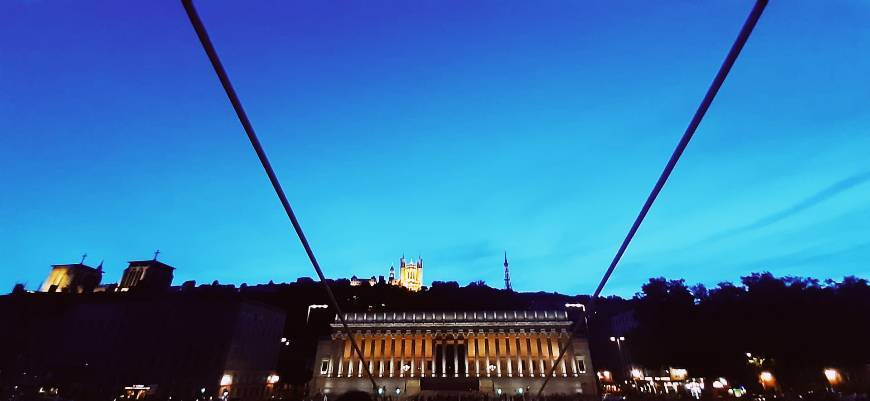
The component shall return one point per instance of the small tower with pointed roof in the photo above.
(507, 274)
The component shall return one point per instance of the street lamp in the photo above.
(834, 377)
(619, 341)
(767, 380)
(310, 307)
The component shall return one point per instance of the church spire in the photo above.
(507, 274)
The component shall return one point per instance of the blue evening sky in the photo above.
(451, 129)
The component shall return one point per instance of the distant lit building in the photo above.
(356, 282)
(410, 274)
(490, 352)
(75, 278)
(146, 275)
(178, 346)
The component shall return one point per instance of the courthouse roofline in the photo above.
(456, 319)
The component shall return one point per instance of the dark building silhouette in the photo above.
(146, 275)
(103, 346)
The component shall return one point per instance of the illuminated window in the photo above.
(324, 366)
(581, 364)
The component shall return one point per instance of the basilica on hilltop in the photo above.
(410, 275)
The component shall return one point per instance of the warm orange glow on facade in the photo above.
(483, 348)
(76, 278)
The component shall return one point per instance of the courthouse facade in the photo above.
(505, 353)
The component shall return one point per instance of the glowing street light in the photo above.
(636, 374)
(767, 379)
(834, 377)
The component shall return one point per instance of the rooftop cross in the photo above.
(84, 255)
(156, 253)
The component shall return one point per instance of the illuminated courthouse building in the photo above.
(409, 353)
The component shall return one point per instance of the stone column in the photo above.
(508, 347)
(434, 342)
(401, 350)
(350, 359)
(412, 353)
(499, 352)
(487, 344)
(362, 344)
(392, 346)
(372, 344)
(341, 357)
(477, 350)
(563, 363)
(465, 346)
(455, 348)
(335, 358)
(519, 354)
(423, 354)
(539, 342)
(443, 342)
(382, 344)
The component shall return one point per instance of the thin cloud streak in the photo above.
(813, 200)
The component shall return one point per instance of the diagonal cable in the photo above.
(261, 154)
(742, 37)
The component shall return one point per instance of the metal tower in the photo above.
(507, 274)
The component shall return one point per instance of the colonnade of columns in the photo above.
(481, 353)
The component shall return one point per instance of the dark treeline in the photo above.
(793, 326)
